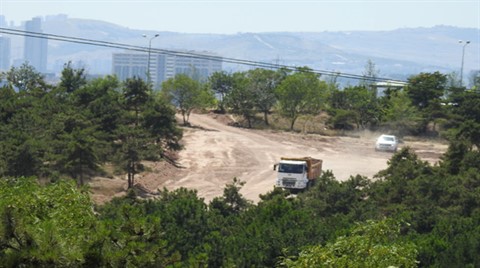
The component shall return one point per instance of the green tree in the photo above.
(102, 103)
(184, 222)
(159, 120)
(134, 147)
(341, 117)
(136, 143)
(23, 144)
(241, 100)
(370, 244)
(22, 155)
(403, 169)
(263, 83)
(80, 154)
(329, 197)
(425, 90)
(130, 237)
(401, 116)
(31, 133)
(232, 201)
(465, 111)
(186, 94)
(44, 225)
(8, 98)
(136, 94)
(27, 80)
(145, 132)
(257, 236)
(221, 83)
(72, 79)
(365, 105)
(300, 93)
(354, 106)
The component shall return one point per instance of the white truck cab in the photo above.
(297, 173)
(292, 174)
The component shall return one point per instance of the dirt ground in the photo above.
(216, 152)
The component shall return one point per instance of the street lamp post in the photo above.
(149, 52)
(463, 57)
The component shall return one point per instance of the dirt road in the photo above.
(215, 153)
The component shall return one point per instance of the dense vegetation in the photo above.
(415, 214)
(72, 129)
(412, 214)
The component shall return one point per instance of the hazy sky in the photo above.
(230, 16)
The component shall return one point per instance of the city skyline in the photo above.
(99, 64)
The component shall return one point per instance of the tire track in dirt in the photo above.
(215, 153)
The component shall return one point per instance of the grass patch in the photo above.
(304, 124)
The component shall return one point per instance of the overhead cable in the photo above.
(189, 54)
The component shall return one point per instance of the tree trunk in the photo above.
(221, 104)
(188, 116)
(129, 180)
(184, 119)
(265, 117)
(292, 124)
(131, 174)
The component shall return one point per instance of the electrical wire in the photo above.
(189, 54)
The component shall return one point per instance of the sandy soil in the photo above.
(216, 152)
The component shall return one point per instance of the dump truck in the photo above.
(297, 173)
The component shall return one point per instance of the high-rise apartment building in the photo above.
(3, 21)
(5, 50)
(163, 66)
(35, 52)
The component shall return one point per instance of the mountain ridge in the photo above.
(397, 54)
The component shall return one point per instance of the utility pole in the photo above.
(463, 57)
(149, 78)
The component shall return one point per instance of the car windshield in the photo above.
(388, 139)
(290, 168)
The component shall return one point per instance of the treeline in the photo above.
(412, 214)
(428, 104)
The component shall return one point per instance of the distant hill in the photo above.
(396, 54)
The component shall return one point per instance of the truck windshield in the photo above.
(290, 168)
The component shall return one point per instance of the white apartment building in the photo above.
(197, 65)
(128, 65)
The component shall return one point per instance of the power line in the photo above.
(188, 54)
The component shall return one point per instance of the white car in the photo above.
(386, 143)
